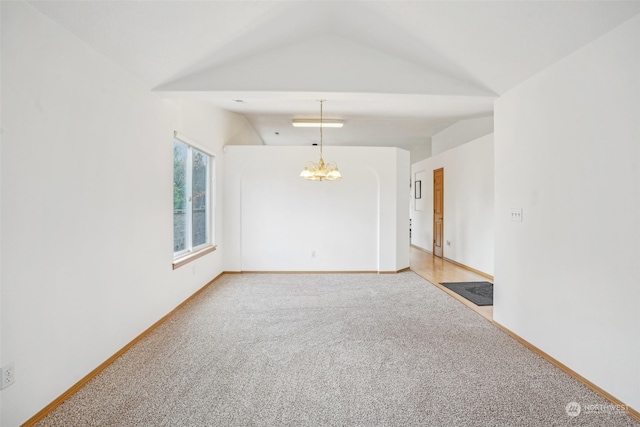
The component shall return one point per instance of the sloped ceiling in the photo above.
(397, 72)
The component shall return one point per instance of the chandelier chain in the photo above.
(321, 102)
(321, 171)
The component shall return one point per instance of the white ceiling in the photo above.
(396, 71)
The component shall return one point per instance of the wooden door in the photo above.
(438, 211)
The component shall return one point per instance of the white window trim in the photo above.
(187, 255)
(185, 139)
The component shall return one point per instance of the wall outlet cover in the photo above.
(8, 375)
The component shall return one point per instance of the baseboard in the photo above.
(77, 386)
(422, 249)
(326, 272)
(396, 271)
(466, 267)
(309, 272)
(57, 402)
(632, 412)
(459, 264)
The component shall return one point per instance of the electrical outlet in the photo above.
(313, 253)
(8, 375)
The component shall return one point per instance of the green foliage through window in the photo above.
(191, 197)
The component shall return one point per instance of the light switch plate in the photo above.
(516, 214)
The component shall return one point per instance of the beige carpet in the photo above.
(330, 350)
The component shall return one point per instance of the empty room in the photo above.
(258, 213)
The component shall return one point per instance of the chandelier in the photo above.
(321, 171)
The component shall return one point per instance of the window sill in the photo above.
(186, 259)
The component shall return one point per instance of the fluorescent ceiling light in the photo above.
(315, 123)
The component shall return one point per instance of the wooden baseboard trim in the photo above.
(459, 264)
(327, 272)
(77, 386)
(466, 267)
(632, 412)
(395, 272)
(310, 272)
(421, 249)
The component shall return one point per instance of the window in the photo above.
(192, 199)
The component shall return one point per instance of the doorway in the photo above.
(438, 211)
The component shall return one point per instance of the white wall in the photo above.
(468, 204)
(460, 133)
(86, 207)
(567, 152)
(420, 150)
(275, 220)
(1, 138)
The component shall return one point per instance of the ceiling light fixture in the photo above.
(321, 171)
(315, 123)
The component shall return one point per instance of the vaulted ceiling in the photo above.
(396, 71)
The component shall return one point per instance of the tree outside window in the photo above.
(191, 198)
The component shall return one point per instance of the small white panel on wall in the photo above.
(418, 182)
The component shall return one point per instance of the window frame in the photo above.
(190, 253)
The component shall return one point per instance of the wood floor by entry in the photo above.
(437, 270)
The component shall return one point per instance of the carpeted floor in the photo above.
(329, 350)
